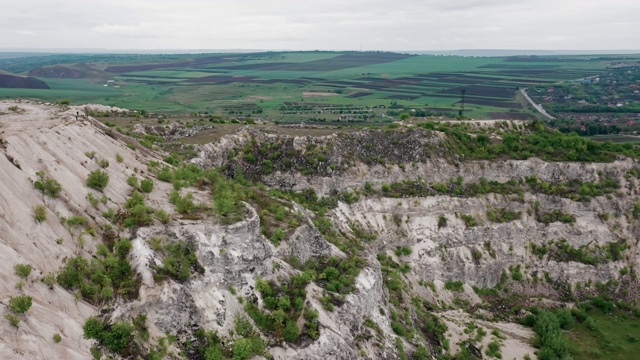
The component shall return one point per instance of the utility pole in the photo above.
(462, 92)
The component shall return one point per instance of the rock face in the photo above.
(446, 253)
(364, 324)
(20, 82)
(37, 138)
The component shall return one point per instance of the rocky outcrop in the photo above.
(406, 239)
(346, 161)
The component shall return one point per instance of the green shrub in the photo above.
(49, 187)
(93, 200)
(602, 303)
(593, 254)
(291, 332)
(22, 270)
(503, 215)
(442, 221)
(469, 220)
(311, 323)
(440, 187)
(133, 181)
(400, 348)
(98, 180)
(109, 214)
(277, 236)
(555, 216)
(40, 213)
(246, 348)
(163, 216)
(398, 328)
(179, 261)
(146, 185)
(548, 336)
(243, 327)
(453, 285)
(94, 328)
(14, 320)
(119, 158)
(57, 338)
(493, 350)
(103, 163)
(49, 280)
(76, 220)
(20, 304)
(516, 273)
(403, 250)
(97, 354)
(636, 210)
(184, 204)
(421, 353)
(107, 274)
(116, 337)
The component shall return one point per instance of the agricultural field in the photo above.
(310, 87)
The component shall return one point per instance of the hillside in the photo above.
(436, 240)
(19, 82)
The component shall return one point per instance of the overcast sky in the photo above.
(321, 24)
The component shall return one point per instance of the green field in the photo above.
(614, 336)
(301, 86)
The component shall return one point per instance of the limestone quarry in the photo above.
(373, 244)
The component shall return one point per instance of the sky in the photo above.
(400, 25)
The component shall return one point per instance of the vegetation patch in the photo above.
(48, 186)
(98, 180)
(40, 213)
(116, 337)
(179, 262)
(23, 270)
(593, 254)
(104, 277)
(283, 306)
(503, 215)
(20, 304)
(538, 142)
(556, 215)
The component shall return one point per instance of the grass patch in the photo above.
(614, 336)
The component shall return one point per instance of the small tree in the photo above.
(98, 180)
(20, 304)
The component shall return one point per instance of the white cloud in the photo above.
(327, 24)
(141, 30)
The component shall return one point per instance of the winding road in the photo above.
(536, 106)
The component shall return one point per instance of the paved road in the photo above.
(537, 106)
